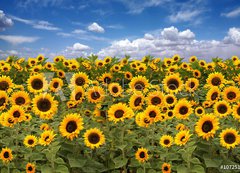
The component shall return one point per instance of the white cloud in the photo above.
(76, 50)
(233, 36)
(16, 39)
(64, 34)
(170, 41)
(94, 27)
(233, 13)
(79, 31)
(4, 21)
(45, 25)
(184, 16)
(136, 7)
(41, 24)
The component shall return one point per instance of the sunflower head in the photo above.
(229, 138)
(139, 83)
(30, 141)
(30, 168)
(173, 83)
(142, 155)
(182, 137)
(222, 108)
(46, 137)
(182, 109)
(6, 155)
(166, 141)
(95, 94)
(166, 168)
(215, 79)
(94, 138)
(207, 126)
(71, 126)
(6, 83)
(37, 83)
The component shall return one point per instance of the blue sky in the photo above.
(119, 27)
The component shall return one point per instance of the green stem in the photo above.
(122, 142)
(8, 168)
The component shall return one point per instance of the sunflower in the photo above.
(57, 58)
(182, 137)
(169, 114)
(95, 94)
(56, 84)
(172, 83)
(199, 111)
(166, 141)
(116, 67)
(30, 168)
(30, 141)
(3, 100)
(180, 127)
(155, 98)
(207, 126)
(28, 117)
(118, 112)
(236, 111)
(136, 101)
(197, 73)
(37, 83)
(60, 73)
(108, 59)
(182, 109)
(94, 138)
(142, 68)
(142, 120)
(229, 138)
(79, 79)
(48, 66)
(191, 84)
(234, 58)
(142, 155)
(202, 63)
(215, 79)
(20, 98)
(106, 78)
(115, 89)
(6, 155)
(231, 94)
(213, 94)
(128, 75)
(6, 83)
(176, 57)
(8, 120)
(193, 59)
(32, 62)
(46, 137)
(78, 94)
(71, 126)
(45, 106)
(17, 112)
(185, 66)
(124, 61)
(166, 168)
(222, 108)
(154, 113)
(170, 100)
(72, 104)
(45, 126)
(139, 83)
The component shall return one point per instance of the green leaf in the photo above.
(59, 161)
(46, 169)
(62, 169)
(120, 162)
(182, 169)
(195, 161)
(197, 169)
(151, 171)
(76, 162)
(211, 162)
(140, 170)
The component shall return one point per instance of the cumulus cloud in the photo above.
(233, 36)
(94, 27)
(17, 39)
(233, 13)
(76, 50)
(170, 41)
(4, 21)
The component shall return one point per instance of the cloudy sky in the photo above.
(160, 28)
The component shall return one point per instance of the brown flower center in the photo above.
(80, 81)
(20, 100)
(229, 138)
(138, 101)
(71, 126)
(4, 85)
(216, 81)
(231, 95)
(95, 95)
(119, 114)
(93, 138)
(183, 110)
(222, 109)
(207, 126)
(37, 84)
(173, 84)
(44, 105)
(156, 100)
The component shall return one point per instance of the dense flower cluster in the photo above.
(121, 114)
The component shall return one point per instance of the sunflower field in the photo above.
(91, 115)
